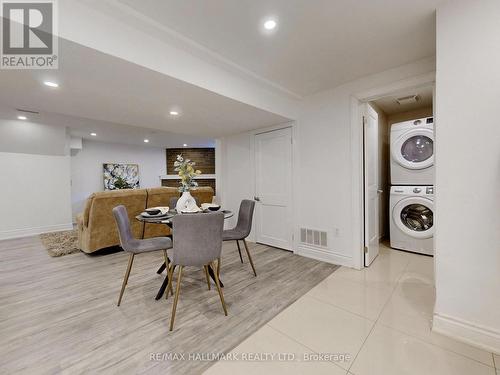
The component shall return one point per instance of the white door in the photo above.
(371, 191)
(273, 187)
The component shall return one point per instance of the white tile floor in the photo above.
(380, 317)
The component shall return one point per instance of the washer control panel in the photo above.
(413, 190)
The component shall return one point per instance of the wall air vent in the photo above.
(313, 237)
(410, 99)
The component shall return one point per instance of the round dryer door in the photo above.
(415, 217)
(414, 149)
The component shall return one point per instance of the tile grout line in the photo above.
(431, 343)
(438, 346)
(378, 317)
(301, 344)
(350, 312)
(267, 323)
(339, 307)
(414, 336)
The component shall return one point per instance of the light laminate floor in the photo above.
(378, 318)
(59, 315)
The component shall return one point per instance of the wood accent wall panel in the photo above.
(201, 182)
(203, 157)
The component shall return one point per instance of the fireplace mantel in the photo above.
(176, 177)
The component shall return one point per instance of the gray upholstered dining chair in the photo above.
(173, 202)
(198, 243)
(134, 246)
(242, 229)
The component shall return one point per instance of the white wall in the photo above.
(34, 194)
(468, 172)
(86, 167)
(237, 166)
(35, 180)
(31, 137)
(322, 147)
(410, 115)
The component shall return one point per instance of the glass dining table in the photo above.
(167, 220)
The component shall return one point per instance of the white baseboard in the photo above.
(470, 333)
(27, 232)
(324, 255)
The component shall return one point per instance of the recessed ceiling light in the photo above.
(146, 141)
(22, 118)
(185, 145)
(174, 113)
(270, 24)
(51, 84)
(93, 134)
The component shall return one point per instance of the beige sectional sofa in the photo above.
(96, 225)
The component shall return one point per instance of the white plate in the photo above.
(160, 215)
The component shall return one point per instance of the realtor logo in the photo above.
(28, 35)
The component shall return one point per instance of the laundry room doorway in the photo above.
(378, 114)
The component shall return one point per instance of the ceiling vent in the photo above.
(27, 111)
(410, 99)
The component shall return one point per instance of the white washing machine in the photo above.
(412, 218)
(412, 152)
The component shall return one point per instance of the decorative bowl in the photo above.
(210, 206)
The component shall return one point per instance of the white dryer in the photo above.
(412, 218)
(412, 152)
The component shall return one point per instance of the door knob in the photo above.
(256, 199)
(380, 191)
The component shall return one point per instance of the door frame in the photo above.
(295, 181)
(357, 146)
(290, 126)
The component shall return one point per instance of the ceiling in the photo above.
(103, 88)
(318, 44)
(110, 132)
(390, 106)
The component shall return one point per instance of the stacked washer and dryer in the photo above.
(412, 192)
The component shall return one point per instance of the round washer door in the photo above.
(415, 216)
(414, 149)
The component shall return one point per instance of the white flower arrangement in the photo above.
(187, 173)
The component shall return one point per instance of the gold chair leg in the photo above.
(170, 275)
(218, 267)
(239, 250)
(249, 257)
(176, 298)
(125, 279)
(167, 264)
(206, 276)
(217, 283)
